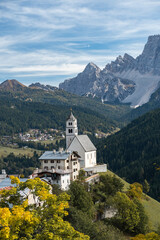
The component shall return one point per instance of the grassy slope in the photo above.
(5, 151)
(152, 207)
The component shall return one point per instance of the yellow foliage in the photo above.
(135, 191)
(33, 221)
(15, 180)
(148, 236)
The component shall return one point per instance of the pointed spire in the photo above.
(72, 117)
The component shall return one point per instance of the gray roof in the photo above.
(50, 155)
(6, 182)
(86, 143)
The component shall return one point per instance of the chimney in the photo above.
(60, 150)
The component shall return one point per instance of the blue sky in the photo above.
(52, 40)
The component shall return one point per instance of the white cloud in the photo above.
(41, 38)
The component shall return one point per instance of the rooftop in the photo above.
(86, 143)
(7, 182)
(55, 155)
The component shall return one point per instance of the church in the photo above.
(62, 167)
(80, 143)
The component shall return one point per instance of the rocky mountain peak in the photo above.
(121, 64)
(128, 57)
(149, 60)
(127, 79)
(91, 67)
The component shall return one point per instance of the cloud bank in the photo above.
(54, 40)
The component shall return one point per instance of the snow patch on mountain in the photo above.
(146, 84)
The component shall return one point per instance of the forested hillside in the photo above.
(17, 116)
(134, 152)
(60, 97)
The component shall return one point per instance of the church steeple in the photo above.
(71, 129)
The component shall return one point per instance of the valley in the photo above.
(80, 120)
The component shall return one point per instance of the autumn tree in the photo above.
(148, 236)
(42, 220)
(135, 190)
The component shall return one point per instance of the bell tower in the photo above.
(71, 129)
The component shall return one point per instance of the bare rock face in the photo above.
(121, 64)
(126, 79)
(149, 60)
(96, 83)
(84, 83)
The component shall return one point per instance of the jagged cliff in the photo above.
(127, 79)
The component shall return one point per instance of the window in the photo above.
(52, 161)
(67, 160)
(70, 123)
(69, 130)
(58, 161)
(52, 167)
(45, 161)
(67, 167)
(46, 168)
(59, 167)
(74, 177)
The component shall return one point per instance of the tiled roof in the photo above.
(86, 143)
(6, 188)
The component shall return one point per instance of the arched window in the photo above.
(70, 130)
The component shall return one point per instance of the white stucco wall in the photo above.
(90, 159)
(71, 125)
(65, 181)
(76, 146)
(57, 163)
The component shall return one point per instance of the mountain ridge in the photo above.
(111, 83)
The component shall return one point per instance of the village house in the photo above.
(60, 167)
